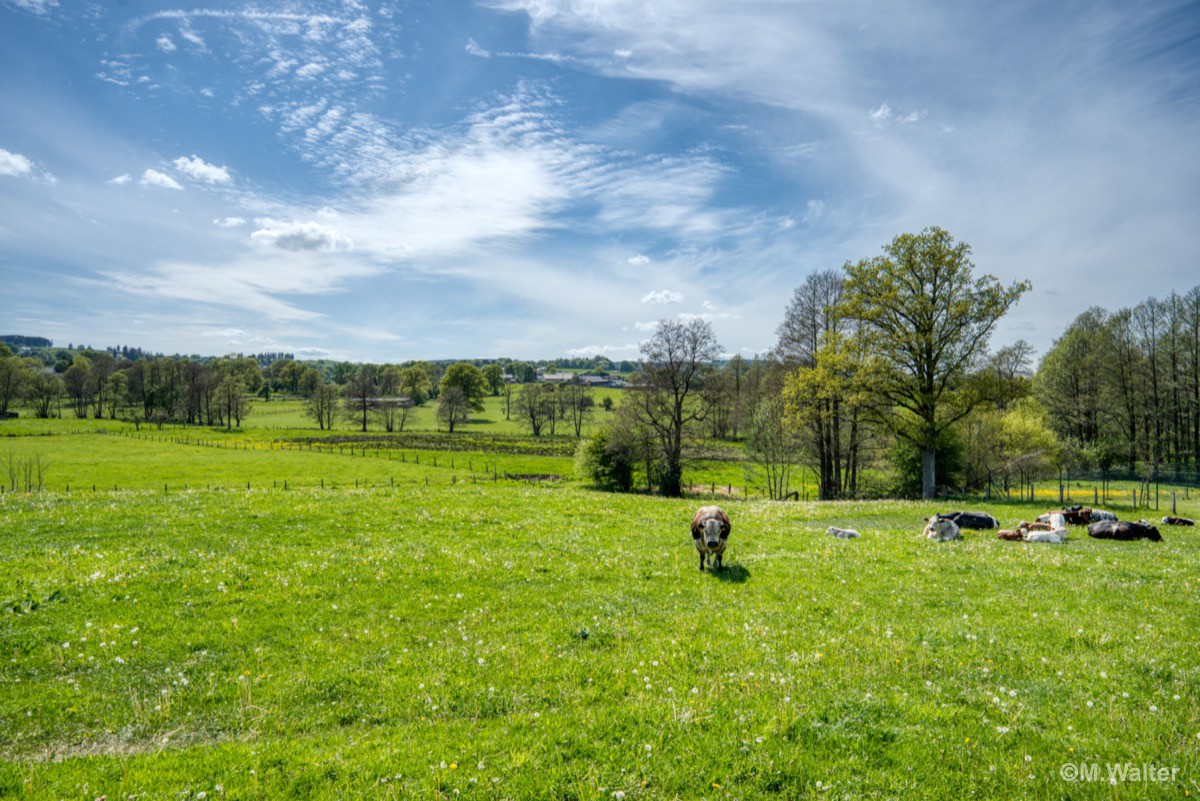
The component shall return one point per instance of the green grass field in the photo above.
(510, 640)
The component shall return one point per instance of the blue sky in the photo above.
(381, 181)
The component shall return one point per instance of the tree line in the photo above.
(1122, 388)
(879, 362)
(883, 369)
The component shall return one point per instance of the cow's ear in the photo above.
(695, 530)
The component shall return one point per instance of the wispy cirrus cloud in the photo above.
(257, 284)
(38, 7)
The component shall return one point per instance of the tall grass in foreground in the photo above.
(513, 642)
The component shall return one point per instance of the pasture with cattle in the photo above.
(516, 639)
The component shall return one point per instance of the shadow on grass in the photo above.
(730, 574)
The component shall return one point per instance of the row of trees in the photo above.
(97, 385)
(1122, 388)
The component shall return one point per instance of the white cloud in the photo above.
(645, 326)
(474, 49)
(191, 36)
(300, 236)
(159, 179)
(14, 163)
(639, 260)
(165, 44)
(663, 296)
(882, 113)
(200, 170)
(224, 333)
(310, 70)
(120, 180)
(229, 222)
(708, 304)
(623, 53)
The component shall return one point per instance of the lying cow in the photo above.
(1099, 516)
(942, 529)
(710, 530)
(973, 520)
(1011, 535)
(842, 533)
(1178, 521)
(1025, 525)
(1124, 530)
(1075, 515)
(1055, 537)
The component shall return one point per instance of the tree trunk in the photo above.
(928, 472)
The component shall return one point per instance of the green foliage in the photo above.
(454, 407)
(606, 459)
(494, 374)
(907, 465)
(929, 318)
(469, 380)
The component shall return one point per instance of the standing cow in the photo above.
(710, 530)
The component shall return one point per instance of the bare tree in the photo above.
(667, 394)
(361, 394)
(392, 412)
(322, 405)
(578, 404)
(535, 406)
(772, 445)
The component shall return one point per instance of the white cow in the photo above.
(842, 533)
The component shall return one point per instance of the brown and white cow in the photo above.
(710, 530)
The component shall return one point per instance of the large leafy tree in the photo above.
(494, 374)
(929, 318)
(470, 380)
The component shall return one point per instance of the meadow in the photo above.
(513, 639)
